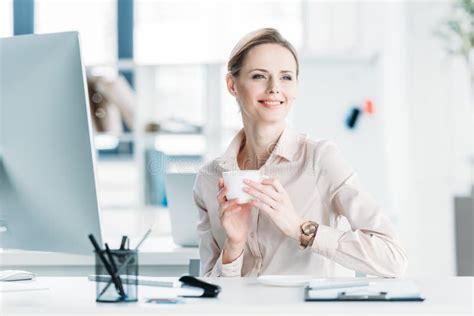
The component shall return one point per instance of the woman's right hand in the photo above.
(235, 218)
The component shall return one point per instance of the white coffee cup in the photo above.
(234, 182)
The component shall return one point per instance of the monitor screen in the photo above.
(48, 198)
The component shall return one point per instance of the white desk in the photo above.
(159, 256)
(76, 295)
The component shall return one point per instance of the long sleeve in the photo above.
(209, 251)
(371, 246)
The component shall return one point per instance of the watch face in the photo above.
(309, 228)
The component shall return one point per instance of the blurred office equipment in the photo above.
(111, 101)
(173, 125)
(464, 219)
(177, 148)
(183, 213)
(48, 198)
(16, 275)
(352, 117)
(158, 163)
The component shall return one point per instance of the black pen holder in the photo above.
(125, 267)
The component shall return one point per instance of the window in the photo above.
(96, 21)
(6, 18)
(332, 27)
(206, 31)
(178, 94)
(200, 32)
(231, 117)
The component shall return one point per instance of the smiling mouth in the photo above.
(270, 103)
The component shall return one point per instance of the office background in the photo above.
(414, 153)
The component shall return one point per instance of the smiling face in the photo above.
(266, 85)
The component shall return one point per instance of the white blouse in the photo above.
(322, 188)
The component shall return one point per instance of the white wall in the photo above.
(328, 91)
(436, 102)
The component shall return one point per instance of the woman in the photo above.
(290, 226)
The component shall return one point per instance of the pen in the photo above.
(122, 244)
(106, 264)
(128, 259)
(114, 267)
(325, 285)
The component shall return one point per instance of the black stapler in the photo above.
(210, 290)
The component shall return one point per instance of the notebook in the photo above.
(381, 290)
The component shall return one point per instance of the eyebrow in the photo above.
(264, 70)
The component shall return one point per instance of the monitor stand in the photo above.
(3, 224)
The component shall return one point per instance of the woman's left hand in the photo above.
(272, 198)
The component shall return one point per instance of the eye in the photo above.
(258, 76)
(287, 77)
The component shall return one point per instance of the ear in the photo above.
(231, 86)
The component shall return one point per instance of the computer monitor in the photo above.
(48, 198)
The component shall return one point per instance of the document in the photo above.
(377, 290)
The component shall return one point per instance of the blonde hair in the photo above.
(252, 39)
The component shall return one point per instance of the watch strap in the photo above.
(307, 239)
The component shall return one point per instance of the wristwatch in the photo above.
(308, 233)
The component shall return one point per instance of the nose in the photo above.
(273, 87)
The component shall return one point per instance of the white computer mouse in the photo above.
(16, 275)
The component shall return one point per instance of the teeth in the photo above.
(271, 103)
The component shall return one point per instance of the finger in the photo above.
(275, 184)
(231, 212)
(228, 204)
(264, 207)
(220, 183)
(221, 195)
(264, 188)
(262, 197)
(238, 210)
(228, 207)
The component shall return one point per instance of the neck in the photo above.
(260, 140)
